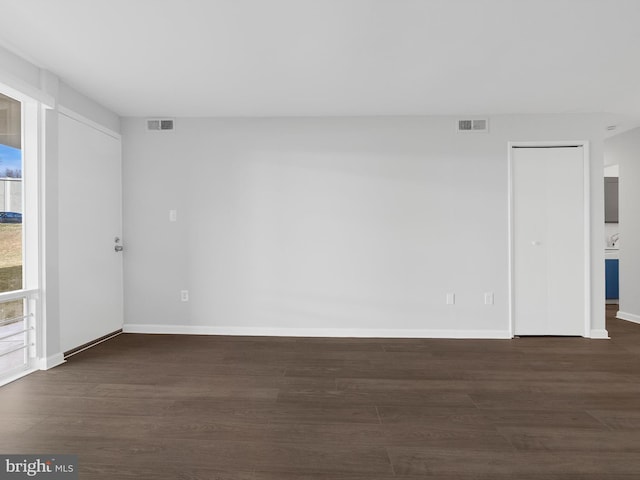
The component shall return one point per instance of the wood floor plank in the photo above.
(89, 406)
(227, 456)
(329, 434)
(419, 461)
(381, 397)
(556, 401)
(111, 471)
(114, 390)
(274, 412)
(559, 439)
(617, 419)
(445, 476)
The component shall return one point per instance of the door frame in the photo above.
(586, 202)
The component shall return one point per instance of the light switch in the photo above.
(488, 298)
(173, 215)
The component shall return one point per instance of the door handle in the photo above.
(117, 247)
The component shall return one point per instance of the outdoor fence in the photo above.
(11, 195)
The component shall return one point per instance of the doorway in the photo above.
(549, 229)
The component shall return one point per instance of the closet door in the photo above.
(548, 240)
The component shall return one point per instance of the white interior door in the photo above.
(548, 235)
(90, 217)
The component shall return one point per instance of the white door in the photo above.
(90, 217)
(548, 235)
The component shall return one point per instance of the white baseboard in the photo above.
(313, 332)
(630, 317)
(599, 333)
(51, 361)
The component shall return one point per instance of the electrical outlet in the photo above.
(184, 295)
(488, 298)
(173, 215)
(451, 298)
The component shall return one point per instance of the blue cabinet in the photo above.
(611, 272)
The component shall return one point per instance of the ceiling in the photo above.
(336, 57)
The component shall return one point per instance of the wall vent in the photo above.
(477, 125)
(159, 124)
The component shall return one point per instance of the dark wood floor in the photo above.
(196, 407)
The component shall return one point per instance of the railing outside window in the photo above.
(17, 331)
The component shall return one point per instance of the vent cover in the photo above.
(159, 124)
(474, 125)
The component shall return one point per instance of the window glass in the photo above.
(12, 323)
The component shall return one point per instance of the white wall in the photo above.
(19, 74)
(330, 226)
(611, 170)
(624, 149)
(80, 104)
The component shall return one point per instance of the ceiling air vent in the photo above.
(474, 125)
(159, 124)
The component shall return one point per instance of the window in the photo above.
(17, 321)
